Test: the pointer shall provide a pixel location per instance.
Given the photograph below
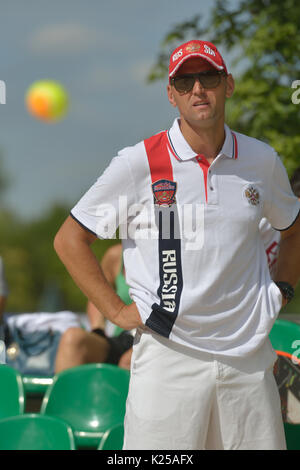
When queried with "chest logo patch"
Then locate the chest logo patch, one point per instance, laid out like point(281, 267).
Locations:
point(164, 192)
point(252, 195)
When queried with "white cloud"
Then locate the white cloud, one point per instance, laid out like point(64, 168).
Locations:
point(62, 39)
point(72, 38)
point(117, 75)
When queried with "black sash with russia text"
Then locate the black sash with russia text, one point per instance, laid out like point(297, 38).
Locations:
point(163, 316)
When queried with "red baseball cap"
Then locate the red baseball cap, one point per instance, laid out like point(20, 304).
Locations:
point(196, 48)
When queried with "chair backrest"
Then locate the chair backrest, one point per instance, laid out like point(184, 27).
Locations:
point(91, 397)
point(113, 438)
point(36, 386)
point(35, 432)
point(292, 435)
point(284, 336)
point(12, 397)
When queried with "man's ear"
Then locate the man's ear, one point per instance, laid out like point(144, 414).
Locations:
point(229, 86)
point(171, 95)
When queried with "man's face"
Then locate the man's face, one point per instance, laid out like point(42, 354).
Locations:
point(201, 107)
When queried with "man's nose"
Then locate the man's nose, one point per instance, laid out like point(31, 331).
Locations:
point(198, 87)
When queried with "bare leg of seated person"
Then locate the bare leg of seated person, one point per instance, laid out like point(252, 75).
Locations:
point(125, 359)
point(78, 346)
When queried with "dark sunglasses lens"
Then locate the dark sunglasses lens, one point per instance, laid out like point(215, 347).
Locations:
point(210, 80)
point(184, 84)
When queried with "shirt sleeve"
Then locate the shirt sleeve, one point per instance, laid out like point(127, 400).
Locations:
point(281, 205)
point(3, 283)
point(104, 207)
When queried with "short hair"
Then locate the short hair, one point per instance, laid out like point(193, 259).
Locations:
point(295, 182)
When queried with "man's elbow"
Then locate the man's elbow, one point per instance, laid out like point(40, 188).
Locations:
point(59, 242)
point(293, 231)
point(71, 237)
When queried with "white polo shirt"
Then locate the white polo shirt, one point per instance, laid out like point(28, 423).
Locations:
point(194, 257)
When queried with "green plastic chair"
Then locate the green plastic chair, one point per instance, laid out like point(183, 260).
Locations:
point(12, 397)
point(36, 386)
point(91, 398)
point(283, 334)
point(113, 438)
point(35, 432)
point(292, 435)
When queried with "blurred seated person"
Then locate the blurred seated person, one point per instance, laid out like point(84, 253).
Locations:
point(78, 346)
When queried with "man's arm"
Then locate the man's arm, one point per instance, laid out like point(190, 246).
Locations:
point(73, 246)
point(288, 264)
point(110, 265)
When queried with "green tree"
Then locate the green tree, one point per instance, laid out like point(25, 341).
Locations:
point(263, 39)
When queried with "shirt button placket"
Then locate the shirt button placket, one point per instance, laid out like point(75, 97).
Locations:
point(212, 193)
point(209, 181)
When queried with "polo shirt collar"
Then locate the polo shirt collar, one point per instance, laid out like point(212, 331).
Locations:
point(182, 150)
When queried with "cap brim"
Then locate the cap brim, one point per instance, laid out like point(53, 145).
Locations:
point(196, 54)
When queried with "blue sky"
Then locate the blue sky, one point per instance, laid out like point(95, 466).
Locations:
point(101, 51)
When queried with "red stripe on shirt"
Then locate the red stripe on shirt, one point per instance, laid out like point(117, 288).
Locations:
point(204, 165)
point(159, 157)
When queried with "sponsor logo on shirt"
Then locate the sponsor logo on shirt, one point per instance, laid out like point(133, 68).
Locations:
point(164, 192)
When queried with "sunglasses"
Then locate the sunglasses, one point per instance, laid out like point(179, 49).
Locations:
point(209, 79)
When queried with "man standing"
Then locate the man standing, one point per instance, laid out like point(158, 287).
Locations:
point(188, 203)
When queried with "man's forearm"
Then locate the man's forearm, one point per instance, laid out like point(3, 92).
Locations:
point(84, 268)
point(74, 250)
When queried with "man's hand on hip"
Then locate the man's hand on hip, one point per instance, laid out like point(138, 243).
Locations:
point(128, 317)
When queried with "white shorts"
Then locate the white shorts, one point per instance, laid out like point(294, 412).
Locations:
point(183, 399)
